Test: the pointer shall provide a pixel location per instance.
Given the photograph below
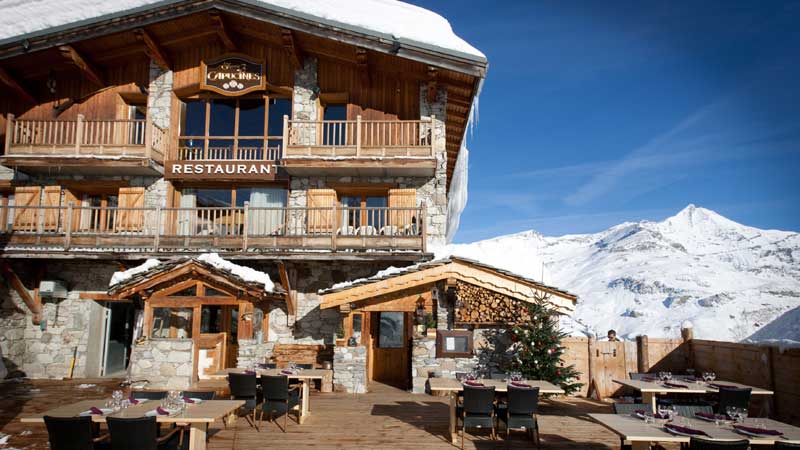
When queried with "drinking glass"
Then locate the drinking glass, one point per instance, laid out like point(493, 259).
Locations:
point(712, 376)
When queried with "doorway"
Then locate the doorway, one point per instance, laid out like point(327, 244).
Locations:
point(390, 348)
point(118, 322)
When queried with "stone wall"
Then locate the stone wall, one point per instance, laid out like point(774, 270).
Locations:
point(165, 363)
point(252, 352)
point(435, 189)
point(350, 369)
point(159, 98)
point(305, 100)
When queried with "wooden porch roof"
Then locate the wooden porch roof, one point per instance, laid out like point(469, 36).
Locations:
point(449, 269)
point(169, 273)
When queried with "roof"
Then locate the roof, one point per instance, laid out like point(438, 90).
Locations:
point(426, 272)
point(389, 20)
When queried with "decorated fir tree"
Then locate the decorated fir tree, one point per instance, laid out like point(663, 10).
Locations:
point(537, 348)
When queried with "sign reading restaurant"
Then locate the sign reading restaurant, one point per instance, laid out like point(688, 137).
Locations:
point(210, 170)
point(233, 75)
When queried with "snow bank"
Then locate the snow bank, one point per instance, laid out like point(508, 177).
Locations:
point(119, 277)
point(391, 18)
point(246, 273)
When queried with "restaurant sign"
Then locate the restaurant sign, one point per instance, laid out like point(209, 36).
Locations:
point(213, 170)
point(233, 75)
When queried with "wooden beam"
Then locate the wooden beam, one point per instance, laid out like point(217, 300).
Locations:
point(433, 84)
point(9, 81)
point(34, 303)
point(222, 31)
point(362, 61)
point(89, 71)
point(292, 48)
point(291, 298)
point(153, 50)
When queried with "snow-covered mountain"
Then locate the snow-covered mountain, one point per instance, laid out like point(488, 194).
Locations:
point(733, 282)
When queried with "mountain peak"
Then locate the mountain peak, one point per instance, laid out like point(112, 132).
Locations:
point(693, 216)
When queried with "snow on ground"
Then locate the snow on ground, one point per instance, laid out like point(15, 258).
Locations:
point(728, 279)
point(394, 19)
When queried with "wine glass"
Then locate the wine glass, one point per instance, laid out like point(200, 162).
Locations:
point(712, 376)
point(668, 376)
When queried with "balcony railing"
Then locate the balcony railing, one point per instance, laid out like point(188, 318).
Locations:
point(358, 138)
point(82, 137)
point(233, 229)
point(228, 148)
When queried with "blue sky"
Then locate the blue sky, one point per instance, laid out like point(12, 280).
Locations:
point(594, 113)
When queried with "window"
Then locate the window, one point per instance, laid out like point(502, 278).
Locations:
point(363, 213)
point(216, 216)
point(173, 323)
point(391, 329)
point(209, 128)
point(333, 132)
point(454, 344)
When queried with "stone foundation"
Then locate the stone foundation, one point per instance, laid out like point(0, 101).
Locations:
point(350, 369)
point(165, 363)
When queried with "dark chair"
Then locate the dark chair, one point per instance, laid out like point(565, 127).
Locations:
point(279, 398)
point(202, 395)
point(733, 397)
point(71, 433)
point(140, 433)
point(267, 366)
point(149, 395)
point(690, 410)
point(243, 386)
point(707, 444)
point(779, 445)
point(478, 410)
point(627, 409)
point(305, 366)
point(520, 412)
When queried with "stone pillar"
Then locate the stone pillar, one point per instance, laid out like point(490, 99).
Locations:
point(350, 369)
point(159, 98)
point(305, 102)
point(436, 188)
point(165, 363)
point(251, 352)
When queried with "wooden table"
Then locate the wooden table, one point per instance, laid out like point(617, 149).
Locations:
point(641, 434)
point(305, 377)
point(650, 389)
point(453, 387)
point(197, 416)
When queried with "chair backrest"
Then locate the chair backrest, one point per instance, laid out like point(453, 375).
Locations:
point(149, 395)
point(691, 410)
point(707, 444)
point(69, 433)
point(636, 375)
point(140, 433)
point(242, 385)
point(523, 400)
point(779, 445)
point(267, 366)
point(478, 400)
point(202, 395)
point(275, 387)
point(735, 397)
point(630, 408)
point(305, 366)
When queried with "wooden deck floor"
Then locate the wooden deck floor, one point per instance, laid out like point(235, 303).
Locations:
point(384, 418)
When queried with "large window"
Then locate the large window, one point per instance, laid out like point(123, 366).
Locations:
point(363, 213)
point(172, 323)
point(213, 211)
point(391, 329)
point(233, 129)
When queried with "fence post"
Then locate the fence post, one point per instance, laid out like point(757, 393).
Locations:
point(148, 139)
point(358, 135)
point(687, 334)
point(245, 219)
point(334, 227)
point(157, 232)
point(9, 132)
point(642, 357)
point(78, 134)
point(68, 231)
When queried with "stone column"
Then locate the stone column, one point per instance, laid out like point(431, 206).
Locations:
point(159, 98)
point(350, 369)
point(435, 190)
point(305, 101)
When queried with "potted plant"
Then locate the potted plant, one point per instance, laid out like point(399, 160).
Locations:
point(340, 341)
point(430, 325)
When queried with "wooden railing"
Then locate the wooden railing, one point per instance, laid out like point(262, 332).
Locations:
point(358, 138)
point(82, 137)
point(247, 228)
point(201, 149)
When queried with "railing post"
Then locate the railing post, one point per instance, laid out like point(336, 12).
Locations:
point(433, 133)
point(424, 227)
point(9, 132)
point(148, 138)
point(68, 224)
point(334, 227)
point(285, 133)
point(358, 135)
point(157, 231)
point(245, 219)
point(78, 134)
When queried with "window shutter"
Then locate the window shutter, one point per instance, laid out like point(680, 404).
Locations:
point(128, 219)
point(26, 212)
point(75, 224)
point(405, 218)
point(51, 199)
point(320, 220)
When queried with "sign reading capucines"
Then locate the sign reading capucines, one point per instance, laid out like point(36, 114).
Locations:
point(209, 170)
point(233, 75)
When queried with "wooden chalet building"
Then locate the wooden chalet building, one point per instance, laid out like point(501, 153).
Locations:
point(302, 145)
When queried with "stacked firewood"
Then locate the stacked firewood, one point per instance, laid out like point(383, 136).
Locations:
point(482, 306)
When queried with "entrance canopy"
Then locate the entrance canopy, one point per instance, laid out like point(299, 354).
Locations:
point(387, 286)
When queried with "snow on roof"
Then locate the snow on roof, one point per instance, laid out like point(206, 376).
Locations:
point(121, 277)
point(390, 19)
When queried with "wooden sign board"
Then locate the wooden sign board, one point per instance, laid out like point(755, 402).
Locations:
point(232, 75)
point(222, 170)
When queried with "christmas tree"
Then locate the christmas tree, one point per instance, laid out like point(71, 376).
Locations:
point(537, 348)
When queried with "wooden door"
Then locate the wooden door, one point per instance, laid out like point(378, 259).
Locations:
point(230, 326)
point(612, 360)
point(390, 349)
point(130, 216)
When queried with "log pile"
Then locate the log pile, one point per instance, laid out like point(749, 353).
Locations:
point(481, 306)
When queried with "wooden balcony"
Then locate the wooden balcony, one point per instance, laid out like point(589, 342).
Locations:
point(359, 147)
point(225, 158)
point(132, 147)
point(248, 230)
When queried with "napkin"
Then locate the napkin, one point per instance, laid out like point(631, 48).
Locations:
point(473, 383)
point(287, 372)
point(188, 400)
point(758, 430)
point(520, 385)
point(642, 412)
point(95, 411)
point(133, 401)
point(684, 430)
point(161, 411)
point(722, 386)
point(676, 385)
point(711, 416)
point(690, 379)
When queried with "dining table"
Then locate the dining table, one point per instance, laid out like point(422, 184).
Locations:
point(197, 415)
point(304, 376)
point(453, 387)
point(650, 388)
point(641, 434)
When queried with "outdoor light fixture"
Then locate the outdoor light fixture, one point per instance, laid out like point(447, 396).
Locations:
point(419, 313)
